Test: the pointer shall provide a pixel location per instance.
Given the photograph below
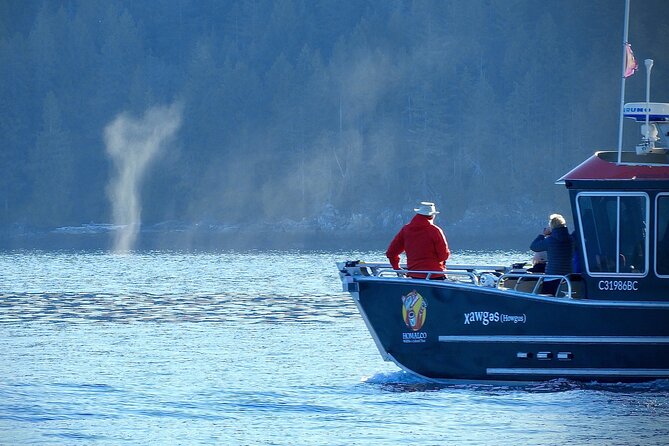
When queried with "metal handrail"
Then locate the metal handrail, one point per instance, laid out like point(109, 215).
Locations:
point(468, 275)
point(384, 272)
point(540, 279)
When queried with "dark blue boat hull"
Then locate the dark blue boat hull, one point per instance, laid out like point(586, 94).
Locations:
point(461, 332)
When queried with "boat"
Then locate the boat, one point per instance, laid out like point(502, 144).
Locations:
point(607, 323)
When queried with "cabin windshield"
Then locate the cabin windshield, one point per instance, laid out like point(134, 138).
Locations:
point(662, 236)
point(613, 228)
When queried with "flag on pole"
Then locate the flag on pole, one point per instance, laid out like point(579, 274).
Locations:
point(630, 62)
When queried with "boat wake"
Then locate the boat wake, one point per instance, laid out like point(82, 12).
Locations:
point(401, 381)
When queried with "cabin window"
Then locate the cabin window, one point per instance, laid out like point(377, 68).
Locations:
point(662, 236)
point(613, 228)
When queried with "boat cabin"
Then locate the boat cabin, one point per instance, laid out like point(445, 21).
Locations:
point(620, 204)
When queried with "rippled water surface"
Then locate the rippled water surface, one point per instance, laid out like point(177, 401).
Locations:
point(251, 348)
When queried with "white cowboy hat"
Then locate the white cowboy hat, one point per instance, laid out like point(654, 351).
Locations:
point(426, 208)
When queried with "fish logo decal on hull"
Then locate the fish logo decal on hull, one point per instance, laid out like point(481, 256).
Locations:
point(414, 310)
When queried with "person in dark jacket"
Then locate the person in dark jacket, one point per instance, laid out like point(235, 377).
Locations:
point(557, 242)
point(423, 242)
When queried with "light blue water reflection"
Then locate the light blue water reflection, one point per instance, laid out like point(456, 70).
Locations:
point(254, 348)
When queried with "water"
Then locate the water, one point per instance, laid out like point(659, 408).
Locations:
point(250, 348)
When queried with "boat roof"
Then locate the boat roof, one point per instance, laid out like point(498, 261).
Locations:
point(604, 165)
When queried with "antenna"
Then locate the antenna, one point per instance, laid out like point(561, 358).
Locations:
point(649, 66)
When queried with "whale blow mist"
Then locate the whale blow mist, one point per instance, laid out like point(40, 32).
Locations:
point(132, 144)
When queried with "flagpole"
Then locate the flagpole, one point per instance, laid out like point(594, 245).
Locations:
point(622, 87)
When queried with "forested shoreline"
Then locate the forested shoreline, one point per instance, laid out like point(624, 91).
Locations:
point(322, 116)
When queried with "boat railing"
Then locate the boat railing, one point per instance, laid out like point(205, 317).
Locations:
point(492, 276)
point(471, 274)
point(452, 274)
point(533, 283)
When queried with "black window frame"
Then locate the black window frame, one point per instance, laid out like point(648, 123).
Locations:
point(585, 261)
point(664, 196)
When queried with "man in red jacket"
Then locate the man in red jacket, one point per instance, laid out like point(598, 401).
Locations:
point(424, 243)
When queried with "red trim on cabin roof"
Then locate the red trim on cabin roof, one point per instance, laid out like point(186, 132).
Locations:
point(596, 168)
